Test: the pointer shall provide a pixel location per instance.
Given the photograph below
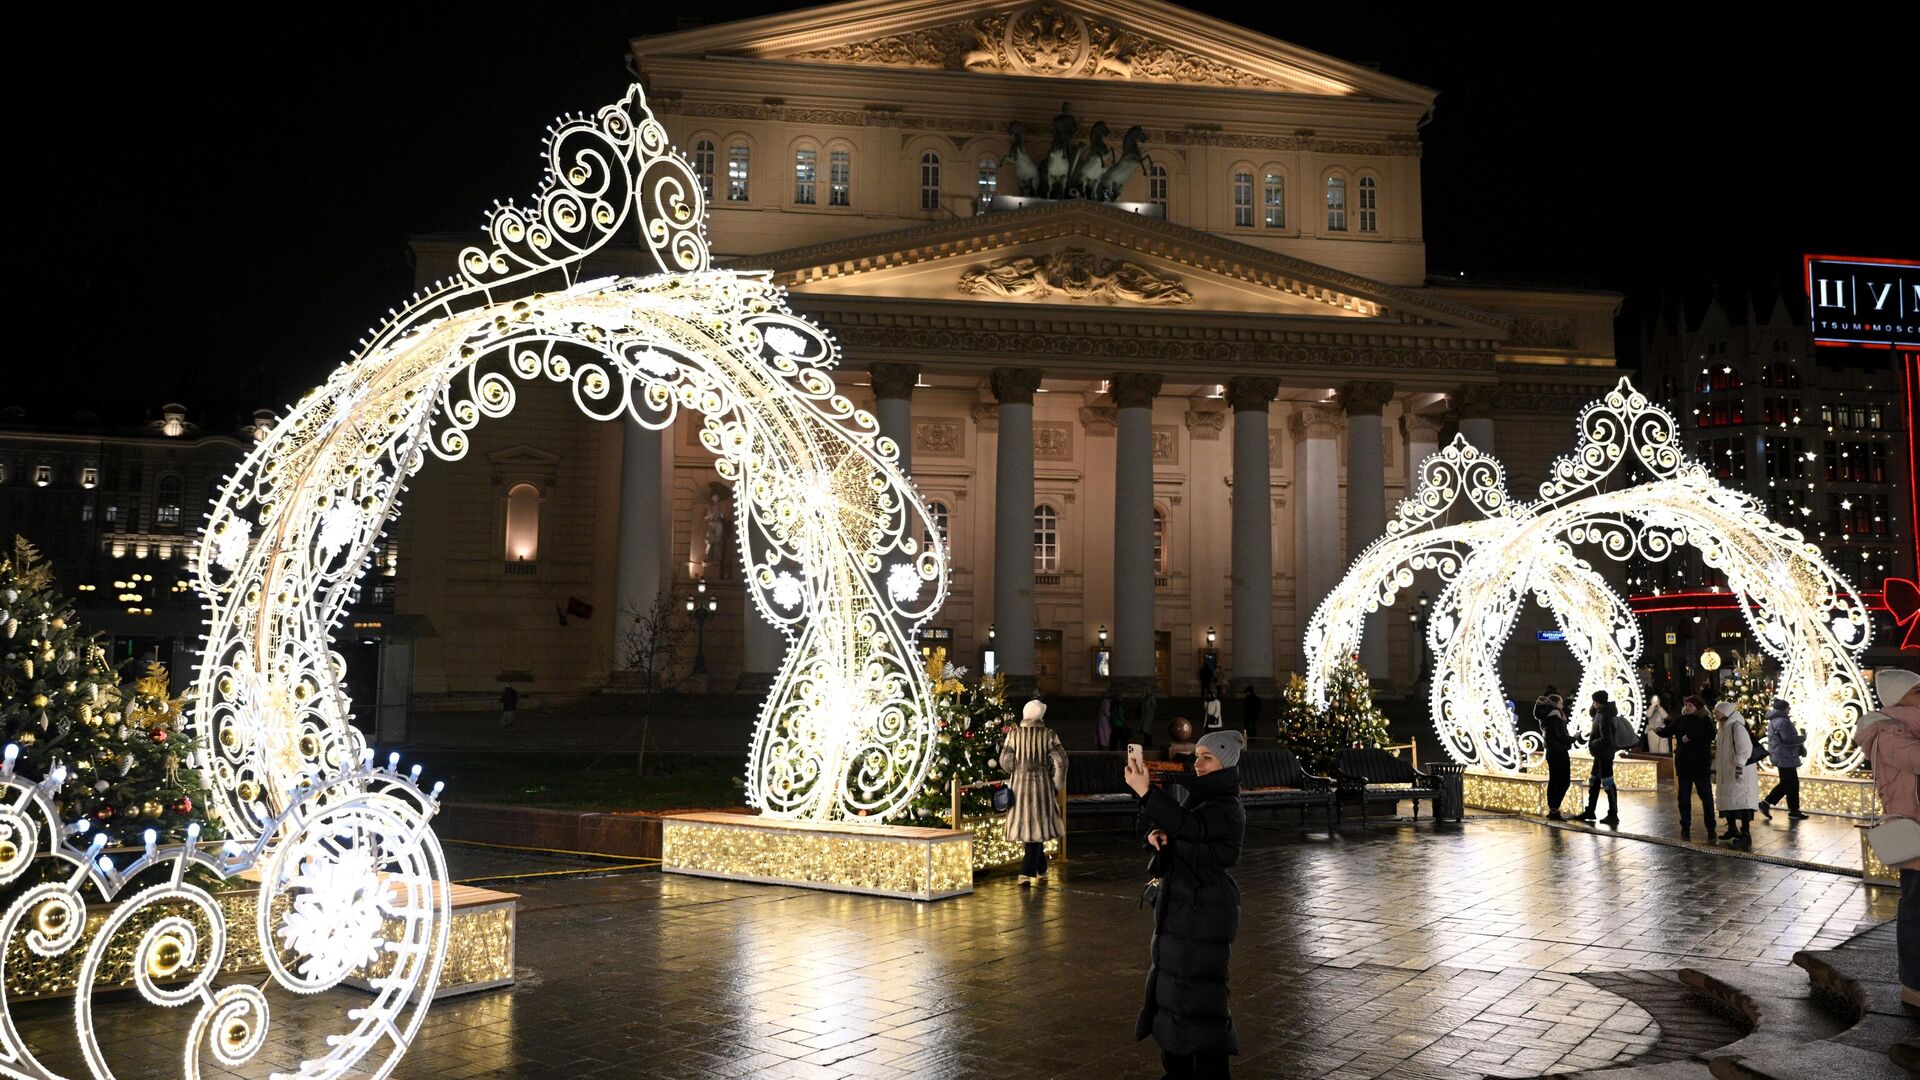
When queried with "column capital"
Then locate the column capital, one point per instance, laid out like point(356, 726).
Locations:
point(1420, 427)
point(1015, 385)
point(1099, 419)
point(1251, 393)
point(1316, 422)
point(1134, 389)
point(1206, 423)
point(1365, 397)
point(1475, 401)
point(894, 380)
point(986, 415)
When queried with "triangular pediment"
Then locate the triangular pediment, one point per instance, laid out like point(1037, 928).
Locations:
point(1089, 255)
point(1140, 41)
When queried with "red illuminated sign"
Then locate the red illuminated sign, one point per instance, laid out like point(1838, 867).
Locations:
point(1868, 303)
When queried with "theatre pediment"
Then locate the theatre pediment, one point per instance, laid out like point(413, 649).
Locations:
point(1123, 40)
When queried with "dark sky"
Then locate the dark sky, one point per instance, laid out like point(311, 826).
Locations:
point(237, 196)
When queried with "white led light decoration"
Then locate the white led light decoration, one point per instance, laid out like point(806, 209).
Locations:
point(1803, 614)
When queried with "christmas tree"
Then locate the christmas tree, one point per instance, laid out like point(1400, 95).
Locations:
point(968, 724)
point(61, 704)
point(1349, 720)
point(1748, 687)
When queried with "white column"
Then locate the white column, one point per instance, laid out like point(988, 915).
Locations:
point(1250, 659)
point(1317, 547)
point(1013, 527)
point(763, 645)
point(1475, 404)
point(640, 570)
point(1133, 614)
point(1366, 496)
point(893, 406)
point(1422, 434)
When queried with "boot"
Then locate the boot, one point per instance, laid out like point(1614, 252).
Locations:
point(1746, 832)
point(1613, 809)
point(1733, 831)
point(1593, 802)
point(1766, 808)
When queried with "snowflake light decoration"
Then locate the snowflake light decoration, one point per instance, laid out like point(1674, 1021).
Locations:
point(1802, 612)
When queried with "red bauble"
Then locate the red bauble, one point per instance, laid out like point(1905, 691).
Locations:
point(183, 805)
point(103, 812)
point(158, 735)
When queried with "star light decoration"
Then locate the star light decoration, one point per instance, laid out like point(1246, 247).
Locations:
point(1803, 613)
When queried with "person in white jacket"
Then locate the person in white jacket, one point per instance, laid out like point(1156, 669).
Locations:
point(1736, 784)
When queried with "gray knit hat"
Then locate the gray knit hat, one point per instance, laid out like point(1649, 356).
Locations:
point(1226, 745)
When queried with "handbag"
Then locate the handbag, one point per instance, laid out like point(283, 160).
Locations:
point(1895, 840)
point(1002, 798)
point(1150, 893)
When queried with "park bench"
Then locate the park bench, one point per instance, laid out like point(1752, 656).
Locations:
point(1382, 776)
point(1097, 783)
point(1275, 778)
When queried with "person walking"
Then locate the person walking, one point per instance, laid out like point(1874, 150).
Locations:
point(1148, 706)
point(1197, 912)
point(1603, 744)
point(1103, 722)
point(509, 704)
point(1691, 734)
point(1212, 711)
point(1891, 739)
point(1209, 671)
point(1551, 714)
point(1657, 742)
point(1250, 707)
point(1036, 768)
point(1736, 783)
point(1786, 746)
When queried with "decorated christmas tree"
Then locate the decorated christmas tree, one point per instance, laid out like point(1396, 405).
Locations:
point(968, 727)
point(1350, 719)
point(1750, 690)
point(61, 704)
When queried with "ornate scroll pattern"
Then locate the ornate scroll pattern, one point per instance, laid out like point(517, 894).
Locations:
point(351, 853)
point(1803, 614)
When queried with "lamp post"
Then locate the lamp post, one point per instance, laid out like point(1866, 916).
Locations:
point(701, 607)
point(1211, 637)
point(1103, 635)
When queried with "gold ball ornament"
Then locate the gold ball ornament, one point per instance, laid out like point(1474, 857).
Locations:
point(50, 918)
point(309, 746)
point(151, 809)
point(236, 1033)
point(8, 852)
point(229, 737)
point(249, 791)
point(26, 738)
point(166, 957)
point(39, 701)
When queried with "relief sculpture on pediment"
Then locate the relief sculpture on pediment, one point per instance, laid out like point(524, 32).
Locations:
point(1074, 274)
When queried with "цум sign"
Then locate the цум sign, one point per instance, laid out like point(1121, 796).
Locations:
point(1867, 302)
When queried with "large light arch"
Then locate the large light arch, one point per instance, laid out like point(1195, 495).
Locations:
point(1803, 613)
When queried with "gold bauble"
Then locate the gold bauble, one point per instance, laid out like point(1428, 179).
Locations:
point(229, 737)
point(152, 809)
point(39, 701)
point(309, 746)
point(8, 852)
point(50, 918)
point(165, 958)
point(249, 791)
point(58, 624)
point(236, 1033)
point(25, 738)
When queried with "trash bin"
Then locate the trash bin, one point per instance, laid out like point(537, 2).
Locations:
point(1449, 802)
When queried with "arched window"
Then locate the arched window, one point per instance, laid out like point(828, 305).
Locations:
point(1157, 187)
point(703, 156)
point(1369, 205)
point(167, 495)
point(840, 178)
point(987, 184)
point(1046, 540)
point(806, 172)
point(1336, 204)
point(1274, 198)
point(523, 524)
point(1159, 541)
point(937, 510)
point(929, 181)
point(1243, 198)
point(739, 157)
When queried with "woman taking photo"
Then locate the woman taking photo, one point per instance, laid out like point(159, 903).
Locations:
point(1197, 911)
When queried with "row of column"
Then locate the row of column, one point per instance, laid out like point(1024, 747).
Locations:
point(1320, 559)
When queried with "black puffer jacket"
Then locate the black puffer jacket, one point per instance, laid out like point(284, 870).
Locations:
point(1196, 918)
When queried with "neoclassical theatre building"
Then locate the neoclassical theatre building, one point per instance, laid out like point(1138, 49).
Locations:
point(1157, 390)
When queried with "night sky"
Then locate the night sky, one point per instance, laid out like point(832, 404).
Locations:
point(217, 210)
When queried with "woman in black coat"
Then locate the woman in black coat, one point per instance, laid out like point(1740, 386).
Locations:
point(1197, 913)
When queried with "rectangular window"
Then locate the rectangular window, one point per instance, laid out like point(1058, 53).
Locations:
point(1274, 195)
point(738, 158)
point(839, 178)
point(86, 511)
point(1157, 187)
point(42, 475)
point(929, 181)
point(1336, 204)
point(1243, 199)
point(1369, 205)
point(168, 514)
point(986, 183)
point(805, 172)
point(703, 166)
point(113, 513)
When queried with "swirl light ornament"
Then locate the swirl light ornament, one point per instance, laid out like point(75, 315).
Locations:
point(1503, 553)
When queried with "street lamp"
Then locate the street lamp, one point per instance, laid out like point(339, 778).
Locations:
point(1211, 637)
point(1103, 633)
point(701, 607)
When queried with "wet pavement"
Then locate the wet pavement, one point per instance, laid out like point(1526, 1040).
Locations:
point(1406, 951)
point(1817, 840)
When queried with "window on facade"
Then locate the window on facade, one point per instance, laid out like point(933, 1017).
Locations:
point(1243, 198)
point(929, 181)
point(1046, 540)
point(1274, 198)
point(86, 511)
point(42, 475)
point(936, 510)
point(90, 477)
point(1157, 187)
point(739, 157)
point(986, 183)
point(113, 513)
point(167, 496)
point(703, 165)
point(839, 178)
point(1159, 541)
point(523, 523)
point(1336, 204)
point(1369, 205)
point(806, 170)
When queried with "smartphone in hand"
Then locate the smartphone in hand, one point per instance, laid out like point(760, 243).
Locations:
point(1136, 756)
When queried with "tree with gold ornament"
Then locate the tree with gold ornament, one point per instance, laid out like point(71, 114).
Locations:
point(128, 769)
point(968, 725)
point(1349, 720)
point(1750, 690)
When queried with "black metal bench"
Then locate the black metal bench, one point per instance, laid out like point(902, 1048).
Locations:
point(1382, 776)
point(1097, 783)
point(1275, 778)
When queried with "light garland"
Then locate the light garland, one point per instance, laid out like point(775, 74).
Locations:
point(1803, 613)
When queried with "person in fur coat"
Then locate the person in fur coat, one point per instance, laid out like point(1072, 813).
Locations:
point(1036, 767)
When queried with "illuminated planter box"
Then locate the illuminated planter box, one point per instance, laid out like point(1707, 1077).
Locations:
point(1841, 796)
point(1520, 794)
point(882, 860)
point(1629, 774)
point(479, 948)
point(991, 847)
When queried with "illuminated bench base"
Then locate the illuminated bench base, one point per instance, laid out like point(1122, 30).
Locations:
point(991, 847)
point(882, 860)
point(1841, 796)
point(1629, 774)
point(479, 944)
point(1521, 794)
